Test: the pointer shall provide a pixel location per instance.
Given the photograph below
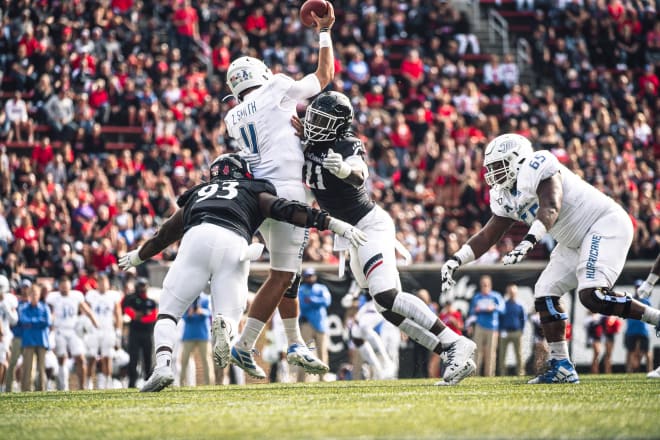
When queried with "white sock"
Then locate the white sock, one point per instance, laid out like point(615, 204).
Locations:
point(419, 334)
point(651, 315)
point(448, 337)
point(165, 335)
point(292, 330)
point(164, 359)
point(558, 350)
point(251, 332)
point(414, 308)
point(367, 353)
point(100, 381)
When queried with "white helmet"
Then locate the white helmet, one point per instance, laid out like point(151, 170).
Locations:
point(246, 72)
point(503, 158)
point(4, 284)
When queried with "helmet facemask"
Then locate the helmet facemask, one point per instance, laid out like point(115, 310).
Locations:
point(501, 174)
point(320, 126)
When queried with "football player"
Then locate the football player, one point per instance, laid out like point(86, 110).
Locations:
point(8, 318)
point(644, 291)
point(593, 233)
point(66, 304)
point(336, 172)
point(106, 305)
point(260, 124)
point(215, 221)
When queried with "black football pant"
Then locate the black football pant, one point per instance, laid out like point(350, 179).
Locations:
point(139, 342)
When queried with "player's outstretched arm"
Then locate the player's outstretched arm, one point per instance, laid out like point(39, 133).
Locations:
point(353, 172)
point(325, 71)
point(305, 216)
point(476, 246)
point(550, 193)
point(169, 232)
point(647, 286)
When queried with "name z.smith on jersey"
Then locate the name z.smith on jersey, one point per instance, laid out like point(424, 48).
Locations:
point(232, 204)
point(341, 199)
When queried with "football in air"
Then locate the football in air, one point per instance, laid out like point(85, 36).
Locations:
point(320, 8)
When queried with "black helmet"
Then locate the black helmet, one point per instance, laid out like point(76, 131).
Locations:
point(328, 116)
point(230, 166)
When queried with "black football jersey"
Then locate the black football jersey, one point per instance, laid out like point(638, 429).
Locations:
point(232, 204)
point(341, 199)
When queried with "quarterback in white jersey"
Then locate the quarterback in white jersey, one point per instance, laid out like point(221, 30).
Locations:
point(106, 305)
point(66, 304)
point(593, 233)
point(8, 317)
point(260, 124)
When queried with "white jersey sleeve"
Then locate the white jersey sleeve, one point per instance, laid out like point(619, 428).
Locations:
point(542, 165)
point(304, 88)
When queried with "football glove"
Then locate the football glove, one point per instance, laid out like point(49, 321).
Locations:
point(130, 259)
point(447, 274)
point(355, 236)
point(645, 289)
point(519, 252)
point(334, 162)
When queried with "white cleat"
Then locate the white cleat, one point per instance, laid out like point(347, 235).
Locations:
point(655, 374)
point(244, 360)
point(221, 336)
point(161, 378)
point(459, 363)
point(299, 354)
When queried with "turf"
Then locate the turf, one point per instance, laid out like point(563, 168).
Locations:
point(615, 406)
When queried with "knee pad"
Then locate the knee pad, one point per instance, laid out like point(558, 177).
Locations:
point(605, 301)
point(385, 300)
point(292, 291)
point(552, 306)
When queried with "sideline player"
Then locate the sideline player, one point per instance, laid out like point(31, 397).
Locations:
point(593, 232)
point(106, 305)
point(260, 123)
point(8, 318)
point(217, 220)
point(66, 304)
point(336, 172)
point(645, 291)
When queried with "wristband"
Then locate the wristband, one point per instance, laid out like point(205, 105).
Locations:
point(537, 230)
point(325, 40)
point(652, 279)
point(465, 254)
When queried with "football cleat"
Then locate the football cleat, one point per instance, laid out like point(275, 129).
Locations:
point(245, 361)
point(161, 378)
point(221, 337)
point(559, 371)
point(458, 361)
point(655, 374)
point(299, 354)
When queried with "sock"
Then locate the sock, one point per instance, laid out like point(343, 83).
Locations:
point(651, 315)
point(419, 334)
point(367, 353)
point(251, 332)
point(558, 350)
point(375, 341)
point(292, 330)
point(100, 381)
point(165, 335)
point(448, 337)
point(414, 308)
point(63, 376)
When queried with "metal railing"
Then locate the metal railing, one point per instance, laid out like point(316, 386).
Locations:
point(498, 26)
point(523, 51)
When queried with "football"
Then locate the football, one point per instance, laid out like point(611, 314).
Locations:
point(320, 8)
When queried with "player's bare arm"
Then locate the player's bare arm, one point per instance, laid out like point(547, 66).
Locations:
point(305, 216)
point(646, 288)
point(170, 232)
point(325, 71)
point(85, 309)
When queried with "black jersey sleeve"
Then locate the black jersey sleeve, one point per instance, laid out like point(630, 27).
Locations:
point(183, 198)
point(349, 146)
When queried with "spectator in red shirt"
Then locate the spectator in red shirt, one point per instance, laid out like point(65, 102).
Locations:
point(186, 22)
point(42, 155)
point(412, 69)
point(103, 259)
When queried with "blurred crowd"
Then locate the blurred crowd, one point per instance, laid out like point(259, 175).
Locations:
point(426, 102)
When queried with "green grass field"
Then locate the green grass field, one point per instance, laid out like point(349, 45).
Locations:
point(615, 406)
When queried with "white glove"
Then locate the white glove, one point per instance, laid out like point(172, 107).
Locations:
point(334, 162)
point(519, 252)
point(130, 259)
point(347, 300)
point(644, 291)
point(355, 236)
point(447, 274)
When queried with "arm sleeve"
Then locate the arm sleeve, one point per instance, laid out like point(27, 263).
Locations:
point(304, 88)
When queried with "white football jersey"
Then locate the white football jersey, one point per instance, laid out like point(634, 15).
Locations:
point(8, 313)
point(582, 204)
point(262, 126)
point(103, 305)
point(65, 308)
